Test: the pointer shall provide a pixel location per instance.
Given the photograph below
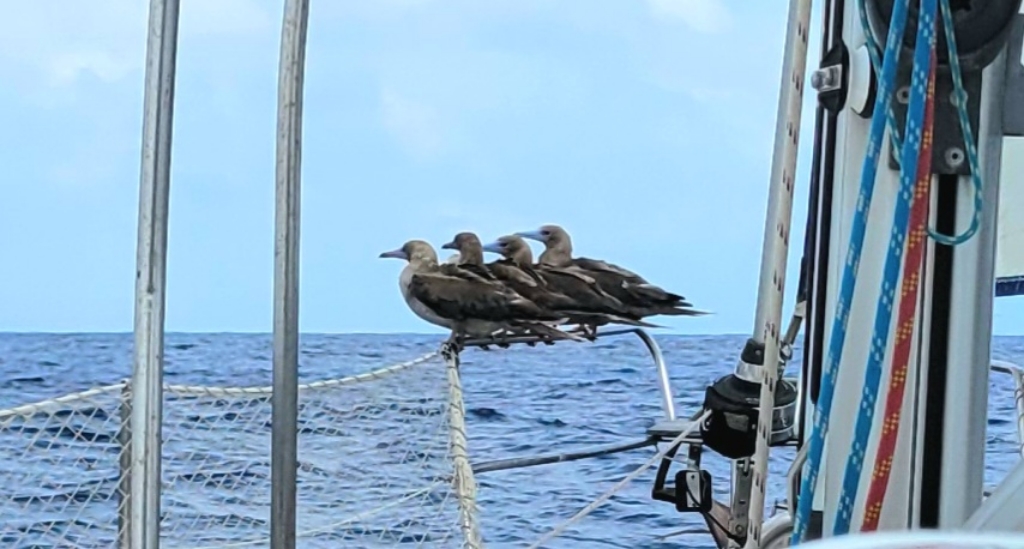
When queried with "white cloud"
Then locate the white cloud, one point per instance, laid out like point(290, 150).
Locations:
point(707, 16)
point(58, 41)
point(414, 125)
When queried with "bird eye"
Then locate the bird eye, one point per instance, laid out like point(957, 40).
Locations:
point(546, 233)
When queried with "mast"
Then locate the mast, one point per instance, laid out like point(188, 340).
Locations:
point(936, 478)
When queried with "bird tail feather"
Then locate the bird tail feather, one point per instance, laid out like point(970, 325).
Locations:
point(542, 329)
point(616, 319)
point(680, 311)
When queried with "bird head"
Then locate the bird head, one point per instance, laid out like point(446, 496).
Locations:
point(548, 234)
point(512, 247)
point(413, 251)
point(462, 242)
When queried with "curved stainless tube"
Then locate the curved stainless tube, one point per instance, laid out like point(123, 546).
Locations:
point(1017, 374)
point(667, 399)
point(664, 383)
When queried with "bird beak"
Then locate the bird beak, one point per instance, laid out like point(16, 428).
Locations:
point(450, 246)
point(493, 247)
point(532, 235)
point(394, 254)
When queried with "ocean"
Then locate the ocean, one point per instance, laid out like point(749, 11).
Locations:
point(363, 446)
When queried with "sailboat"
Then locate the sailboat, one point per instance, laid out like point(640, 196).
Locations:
point(914, 228)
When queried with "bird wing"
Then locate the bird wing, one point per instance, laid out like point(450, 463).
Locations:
point(582, 289)
point(571, 271)
point(599, 265)
point(466, 297)
point(512, 272)
point(468, 272)
point(614, 277)
point(532, 273)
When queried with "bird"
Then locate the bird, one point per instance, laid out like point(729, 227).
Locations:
point(469, 255)
point(529, 283)
point(641, 297)
point(469, 305)
point(592, 307)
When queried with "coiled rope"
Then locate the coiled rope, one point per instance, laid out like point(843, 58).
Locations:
point(819, 429)
point(906, 317)
point(910, 155)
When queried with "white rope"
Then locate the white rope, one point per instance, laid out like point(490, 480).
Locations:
point(325, 384)
point(59, 402)
point(776, 248)
point(623, 483)
point(463, 481)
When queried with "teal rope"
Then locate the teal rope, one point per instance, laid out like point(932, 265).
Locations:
point(970, 148)
point(965, 128)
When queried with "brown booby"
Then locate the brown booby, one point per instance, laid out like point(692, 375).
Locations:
point(635, 292)
point(522, 279)
point(467, 304)
point(589, 305)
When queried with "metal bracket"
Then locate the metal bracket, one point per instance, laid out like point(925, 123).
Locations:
point(832, 80)
point(827, 79)
point(742, 482)
point(948, 154)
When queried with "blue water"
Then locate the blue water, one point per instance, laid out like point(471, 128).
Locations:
point(365, 446)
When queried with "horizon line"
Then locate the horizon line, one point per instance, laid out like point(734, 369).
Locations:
point(355, 333)
point(248, 332)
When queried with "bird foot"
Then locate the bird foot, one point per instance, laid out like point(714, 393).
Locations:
point(499, 338)
point(452, 345)
point(502, 340)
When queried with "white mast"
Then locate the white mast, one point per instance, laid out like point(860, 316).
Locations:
point(937, 470)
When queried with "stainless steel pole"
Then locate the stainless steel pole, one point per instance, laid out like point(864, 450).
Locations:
point(284, 439)
point(150, 275)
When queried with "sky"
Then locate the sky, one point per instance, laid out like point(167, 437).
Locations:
point(645, 128)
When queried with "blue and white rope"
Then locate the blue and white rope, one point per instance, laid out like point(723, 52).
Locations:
point(909, 156)
point(883, 100)
point(965, 128)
